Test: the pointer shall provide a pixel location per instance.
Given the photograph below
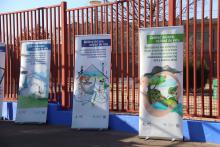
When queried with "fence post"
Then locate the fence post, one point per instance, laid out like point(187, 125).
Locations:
point(64, 54)
point(172, 13)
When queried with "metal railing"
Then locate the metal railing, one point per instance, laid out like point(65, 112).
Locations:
point(121, 19)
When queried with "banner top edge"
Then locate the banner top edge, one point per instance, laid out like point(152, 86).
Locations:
point(93, 35)
point(36, 40)
point(181, 26)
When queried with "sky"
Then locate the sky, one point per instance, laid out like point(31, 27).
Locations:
point(14, 5)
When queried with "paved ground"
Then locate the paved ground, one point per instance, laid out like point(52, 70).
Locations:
point(14, 135)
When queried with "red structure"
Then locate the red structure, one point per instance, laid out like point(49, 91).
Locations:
point(121, 19)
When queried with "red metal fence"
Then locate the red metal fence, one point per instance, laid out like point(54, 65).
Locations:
point(121, 19)
point(33, 24)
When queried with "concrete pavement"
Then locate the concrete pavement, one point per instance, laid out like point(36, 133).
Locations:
point(29, 135)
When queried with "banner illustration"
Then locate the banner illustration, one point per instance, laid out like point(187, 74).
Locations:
point(161, 87)
point(2, 73)
point(34, 81)
point(91, 84)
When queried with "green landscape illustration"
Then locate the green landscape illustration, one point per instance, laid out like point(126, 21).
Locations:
point(163, 89)
point(33, 92)
point(92, 85)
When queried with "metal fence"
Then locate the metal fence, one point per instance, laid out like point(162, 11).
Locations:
point(121, 19)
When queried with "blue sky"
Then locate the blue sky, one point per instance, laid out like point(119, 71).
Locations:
point(14, 5)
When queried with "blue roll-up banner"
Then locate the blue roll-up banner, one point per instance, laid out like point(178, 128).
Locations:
point(34, 81)
point(2, 73)
point(91, 83)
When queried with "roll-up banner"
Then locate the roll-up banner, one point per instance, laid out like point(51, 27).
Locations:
point(91, 83)
point(34, 81)
point(161, 82)
point(2, 73)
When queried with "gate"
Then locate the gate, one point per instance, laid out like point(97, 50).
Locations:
point(121, 19)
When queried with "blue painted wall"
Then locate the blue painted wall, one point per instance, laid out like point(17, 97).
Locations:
point(201, 131)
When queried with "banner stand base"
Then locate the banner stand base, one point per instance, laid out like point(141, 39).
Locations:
point(29, 123)
point(88, 129)
point(173, 139)
point(161, 138)
point(147, 137)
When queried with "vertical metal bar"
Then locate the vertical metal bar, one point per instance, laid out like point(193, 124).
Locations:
point(210, 58)
point(10, 56)
point(59, 65)
point(7, 52)
point(32, 26)
point(7, 58)
point(42, 17)
point(35, 21)
point(195, 57)
point(116, 60)
point(51, 60)
point(218, 59)
point(202, 58)
point(122, 54)
point(112, 84)
point(164, 12)
point(145, 13)
point(68, 57)
point(151, 17)
point(17, 64)
point(87, 20)
point(96, 20)
point(64, 53)
point(39, 29)
point(82, 21)
point(73, 54)
point(92, 20)
point(47, 17)
point(127, 57)
point(101, 26)
point(78, 22)
point(139, 12)
point(24, 20)
point(180, 17)
point(55, 58)
point(138, 52)
point(28, 25)
point(17, 56)
point(14, 72)
point(3, 28)
point(21, 37)
point(172, 12)
point(157, 14)
point(133, 55)
point(106, 21)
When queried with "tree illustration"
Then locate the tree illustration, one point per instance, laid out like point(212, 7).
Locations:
point(171, 101)
point(156, 80)
point(173, 91)
point(154, 94)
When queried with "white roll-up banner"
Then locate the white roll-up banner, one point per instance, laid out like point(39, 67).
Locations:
point(161, 82)
point(2, 73)
point(91, 83)
point(34, 81)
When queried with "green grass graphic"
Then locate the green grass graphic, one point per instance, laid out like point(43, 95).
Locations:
point(31, 102)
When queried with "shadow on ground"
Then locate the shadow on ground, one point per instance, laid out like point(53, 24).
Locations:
point(30, 135)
